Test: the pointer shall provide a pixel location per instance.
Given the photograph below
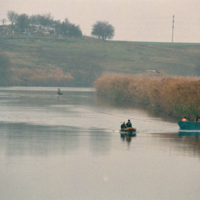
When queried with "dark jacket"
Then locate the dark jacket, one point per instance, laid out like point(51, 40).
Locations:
point(128, 124)
point(123, 126)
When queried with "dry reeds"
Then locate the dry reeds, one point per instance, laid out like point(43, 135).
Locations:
point(176, 96)
point(40, 77)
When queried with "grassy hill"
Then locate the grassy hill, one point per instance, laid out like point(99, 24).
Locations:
point(84, 60)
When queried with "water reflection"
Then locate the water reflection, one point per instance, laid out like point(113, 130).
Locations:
point(26, 139)
point(100, 141)
point(191, 142)
point(127, 138)
point(195, 135)
point(183, 143)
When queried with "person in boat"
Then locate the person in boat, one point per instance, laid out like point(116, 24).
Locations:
point(123, 126)
point(59, 90)
point(128, 124)
point(184, 119)
point(197, 119)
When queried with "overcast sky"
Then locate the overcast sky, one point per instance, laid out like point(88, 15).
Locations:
point(133, 20)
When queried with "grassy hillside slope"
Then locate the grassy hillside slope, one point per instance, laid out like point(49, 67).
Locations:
point(84, 60)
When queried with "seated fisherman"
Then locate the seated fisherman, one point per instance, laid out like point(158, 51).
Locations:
point(128, 124)
point(197, 119)
point(123, 126)
point(184, 119)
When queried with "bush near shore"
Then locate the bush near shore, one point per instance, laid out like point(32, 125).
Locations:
point(177, 96)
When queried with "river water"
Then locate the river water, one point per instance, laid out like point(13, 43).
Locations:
point(69, 147)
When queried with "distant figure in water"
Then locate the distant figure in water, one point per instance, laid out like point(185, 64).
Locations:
point(128, 124)
point(123, 126)
point(197, 119)
point(184, 119)
point(59, 92)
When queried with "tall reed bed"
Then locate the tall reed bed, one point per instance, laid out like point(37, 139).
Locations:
point(176, 96)
point(40, 77)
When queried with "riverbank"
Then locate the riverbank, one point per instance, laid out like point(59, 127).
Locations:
point(176, 96)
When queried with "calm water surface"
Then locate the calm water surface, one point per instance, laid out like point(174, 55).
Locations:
point(69, 147)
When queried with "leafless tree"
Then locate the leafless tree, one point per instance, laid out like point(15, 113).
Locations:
point(3, 21)
point(45, 20)
point(22, 22)
point(12, 16)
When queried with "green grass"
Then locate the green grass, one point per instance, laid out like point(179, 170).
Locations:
point(101, 56)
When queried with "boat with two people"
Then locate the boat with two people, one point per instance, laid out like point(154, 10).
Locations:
point(185, 124)
point(127, 129)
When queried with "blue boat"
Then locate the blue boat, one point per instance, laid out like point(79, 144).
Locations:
point(189, 125)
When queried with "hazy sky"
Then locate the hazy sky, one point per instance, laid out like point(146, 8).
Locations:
point(133, 20)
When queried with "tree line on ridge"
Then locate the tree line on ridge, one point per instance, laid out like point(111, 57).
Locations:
point(23, 23)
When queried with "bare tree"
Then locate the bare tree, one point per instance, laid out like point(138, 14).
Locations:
point(103, 30)
point(3, 21)
point(12, 16)
point(33, 19)
point(22, 22)
point(45, 20)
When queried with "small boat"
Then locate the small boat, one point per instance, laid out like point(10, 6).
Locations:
point(189, 125)
point(59, 93)
point(130, 131)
